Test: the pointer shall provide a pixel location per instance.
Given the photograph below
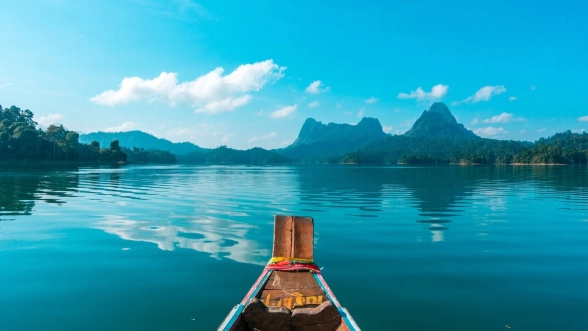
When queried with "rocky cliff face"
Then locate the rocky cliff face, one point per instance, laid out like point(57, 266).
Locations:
point(317, 141)
point(313, 132)
point(438, 122)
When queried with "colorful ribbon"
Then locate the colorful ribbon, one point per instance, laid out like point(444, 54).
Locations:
point(291, 264)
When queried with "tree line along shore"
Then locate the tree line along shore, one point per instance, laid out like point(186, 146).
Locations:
point(21, 140)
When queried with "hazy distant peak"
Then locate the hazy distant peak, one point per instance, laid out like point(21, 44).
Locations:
point(139, 139)
point(313, 131)
point(438, 122)
point(310, 121)
point(439, 107)
point(371, 123)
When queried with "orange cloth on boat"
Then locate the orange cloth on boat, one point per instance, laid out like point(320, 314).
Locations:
point(291, 264)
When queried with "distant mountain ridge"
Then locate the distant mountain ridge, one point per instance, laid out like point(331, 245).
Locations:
point(139, 139)
point(313, 131)
point(435, 138)
point(318, 141)
point(438, 122)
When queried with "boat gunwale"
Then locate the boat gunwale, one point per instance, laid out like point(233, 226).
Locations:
point(231, 321)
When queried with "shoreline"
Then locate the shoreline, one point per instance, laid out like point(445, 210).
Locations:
point(59, 163)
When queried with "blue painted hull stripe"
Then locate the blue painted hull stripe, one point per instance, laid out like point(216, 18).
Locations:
point(349, 321)
point(230, 320)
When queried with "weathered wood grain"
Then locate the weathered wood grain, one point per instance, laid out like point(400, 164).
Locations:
point(259, 317)
point(282, 236)
point(293, 237)
point(325, 317)
point(291, 299)
point(303, 238)
point(297, 280)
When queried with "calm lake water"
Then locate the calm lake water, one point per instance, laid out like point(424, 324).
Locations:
point(403, 248)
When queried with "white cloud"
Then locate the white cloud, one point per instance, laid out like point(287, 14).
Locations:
point(182, 132)
point(192, 133)
point(187, 6)
point(512, 98)
point(583, 119)
point(541, 130)
point(5, 85)
point(211, 93)
point(259, 113)
point(489, 131)
point(45, 121)
point(437, 92)
point(226, 138)
point(316, 87)
point(387, 129)
point(126, 126)
point(361, 112)
point(340, 104)
point(408, 123)
point(371, 100)
point(474, 121)
point(483, 94)
point(502, 118)
point(286, 142)
point(313, 104)
point(533, 87)
point(266, 137)
point(283, 112)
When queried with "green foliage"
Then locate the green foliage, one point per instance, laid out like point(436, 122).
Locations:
point(140, 155)
point(113, 154)
point(562, 148)
point(21, 140)
point(223, 154)
point(19, 137)
point(424, 150)
point(140, 139)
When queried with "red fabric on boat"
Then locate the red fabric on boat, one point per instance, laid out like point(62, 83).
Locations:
point(292, 266)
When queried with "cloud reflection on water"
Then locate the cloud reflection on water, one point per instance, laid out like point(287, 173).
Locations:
point(437, 234)
point(218, 237)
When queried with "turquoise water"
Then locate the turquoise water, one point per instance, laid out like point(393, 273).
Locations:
point(403, 248)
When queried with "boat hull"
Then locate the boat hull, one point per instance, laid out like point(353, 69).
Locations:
point(306, 294)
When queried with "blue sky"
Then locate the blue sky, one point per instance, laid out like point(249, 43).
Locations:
point(248, 73)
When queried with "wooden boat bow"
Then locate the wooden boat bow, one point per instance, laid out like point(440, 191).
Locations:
point(291, 293)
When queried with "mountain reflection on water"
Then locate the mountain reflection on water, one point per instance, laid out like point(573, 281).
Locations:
point(21, 188)
point(206, 208)
point(175, 247)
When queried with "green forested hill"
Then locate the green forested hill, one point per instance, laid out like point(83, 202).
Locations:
point(140, 139)
point(20, 139)
point(428, 150)
point(438, 122)
point(223, 154)
point(563, 148)
point(435, 138)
